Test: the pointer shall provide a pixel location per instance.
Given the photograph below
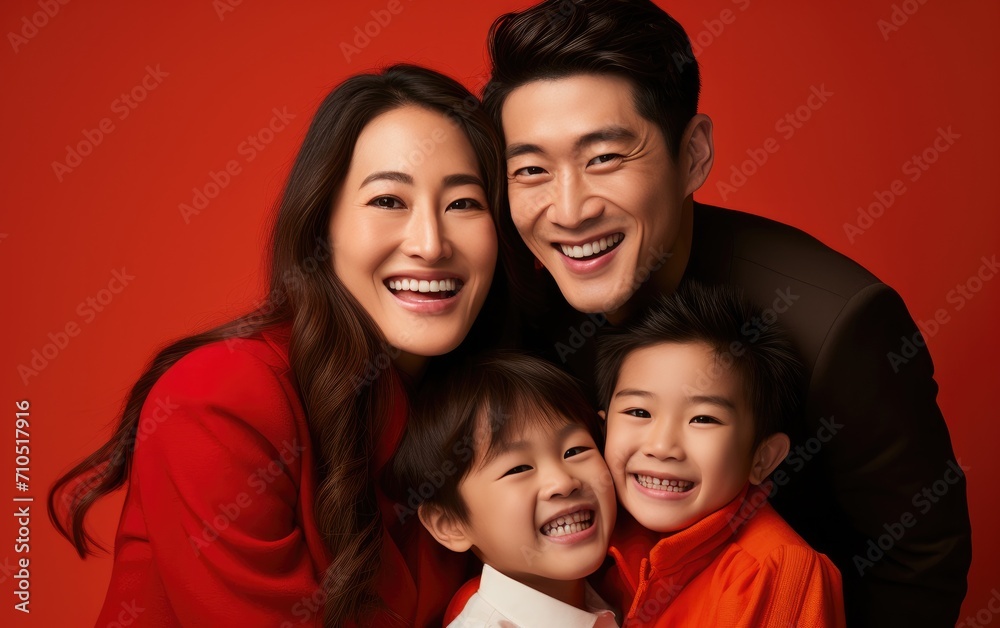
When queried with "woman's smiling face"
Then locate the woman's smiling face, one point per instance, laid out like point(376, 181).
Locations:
point(411, 232)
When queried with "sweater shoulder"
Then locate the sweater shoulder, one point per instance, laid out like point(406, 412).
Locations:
point(233, 384)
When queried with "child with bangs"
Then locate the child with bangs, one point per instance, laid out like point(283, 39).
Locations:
point(698, 403)
point(512, 446)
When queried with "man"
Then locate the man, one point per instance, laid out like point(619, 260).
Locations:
point(605, 148)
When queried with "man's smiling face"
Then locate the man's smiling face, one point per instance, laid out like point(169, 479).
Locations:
point(594, 191)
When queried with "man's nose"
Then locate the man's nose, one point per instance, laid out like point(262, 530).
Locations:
point(572, 203)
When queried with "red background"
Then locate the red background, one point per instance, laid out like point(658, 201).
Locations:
point(61, 241)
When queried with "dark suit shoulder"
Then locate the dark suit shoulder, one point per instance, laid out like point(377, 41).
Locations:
point(778, 248)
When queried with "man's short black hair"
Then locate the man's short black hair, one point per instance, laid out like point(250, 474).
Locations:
point(760, 354)
point(632, 39)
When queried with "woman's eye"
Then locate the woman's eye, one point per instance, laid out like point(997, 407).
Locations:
point(575, 451)
point(528, 170)
point(466, 203)
point(386, 202)
point(638, 412)
point(603, 159)
point(705, 419)
point(521, 468)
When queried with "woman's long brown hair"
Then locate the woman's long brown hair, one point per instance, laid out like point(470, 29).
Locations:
point(333, 340)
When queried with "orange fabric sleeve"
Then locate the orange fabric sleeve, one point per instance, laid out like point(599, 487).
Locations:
point(794, 586)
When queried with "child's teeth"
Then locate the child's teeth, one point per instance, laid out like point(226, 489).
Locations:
point(568, 524)
point(673, 486)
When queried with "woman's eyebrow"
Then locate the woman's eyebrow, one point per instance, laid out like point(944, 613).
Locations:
point(450, 181)
point(387, 175)
point(457, 180)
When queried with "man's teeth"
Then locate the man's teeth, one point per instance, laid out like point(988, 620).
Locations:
point(421, 285)
point(591, 248)
point(675, 486)
point(568, 524)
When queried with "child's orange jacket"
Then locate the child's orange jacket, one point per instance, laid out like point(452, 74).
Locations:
point(740, 566)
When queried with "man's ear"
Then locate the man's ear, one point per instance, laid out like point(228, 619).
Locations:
point(769, 455)
point(444, 527)
point(697, 153)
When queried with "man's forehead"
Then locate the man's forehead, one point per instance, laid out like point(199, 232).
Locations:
point(583, 101)
point(570, 114)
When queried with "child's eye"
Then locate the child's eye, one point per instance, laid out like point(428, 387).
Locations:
point(575, 451)
point(705, 419)
point(638, 412)
point(521, 468)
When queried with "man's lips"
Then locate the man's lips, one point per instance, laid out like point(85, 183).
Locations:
point(591, 249)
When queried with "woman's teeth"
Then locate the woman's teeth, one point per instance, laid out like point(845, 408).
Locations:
point(593, 248)
point(568, 524)
point(422, 285)
point(674, 486)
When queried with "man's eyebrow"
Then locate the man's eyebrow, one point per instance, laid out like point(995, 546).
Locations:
point(607, 134)
point(387, 175)
point(516, 150)
point(633, 392)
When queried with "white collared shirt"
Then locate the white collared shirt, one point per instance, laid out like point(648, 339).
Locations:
point(503, 602)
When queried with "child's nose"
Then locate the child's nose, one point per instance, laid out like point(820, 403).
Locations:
point(664, 441)
point(559, 482)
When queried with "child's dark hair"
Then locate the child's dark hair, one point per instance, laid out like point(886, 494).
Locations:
point(463, 414)
point(721, 317)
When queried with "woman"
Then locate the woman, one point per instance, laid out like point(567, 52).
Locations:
point(253, 452)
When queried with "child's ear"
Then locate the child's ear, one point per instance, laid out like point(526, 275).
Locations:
point(603, 415)
point(769, 455)
point(444, 527)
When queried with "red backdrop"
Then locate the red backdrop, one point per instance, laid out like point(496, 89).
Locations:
point(115, 112)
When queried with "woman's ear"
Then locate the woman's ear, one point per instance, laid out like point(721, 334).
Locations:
point(769, 455)
point(444, 527)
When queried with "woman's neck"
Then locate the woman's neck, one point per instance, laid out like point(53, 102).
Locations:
point(411, 365)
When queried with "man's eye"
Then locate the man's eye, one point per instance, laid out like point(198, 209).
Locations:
point(387, 202)
point(705, 419)
point(575, 451)
point(466, 203)
point(529, 170)
point(521, 468)
point(603, 159)
point(638, 412)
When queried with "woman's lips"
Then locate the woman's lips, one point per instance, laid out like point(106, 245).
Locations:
point(425, 296)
